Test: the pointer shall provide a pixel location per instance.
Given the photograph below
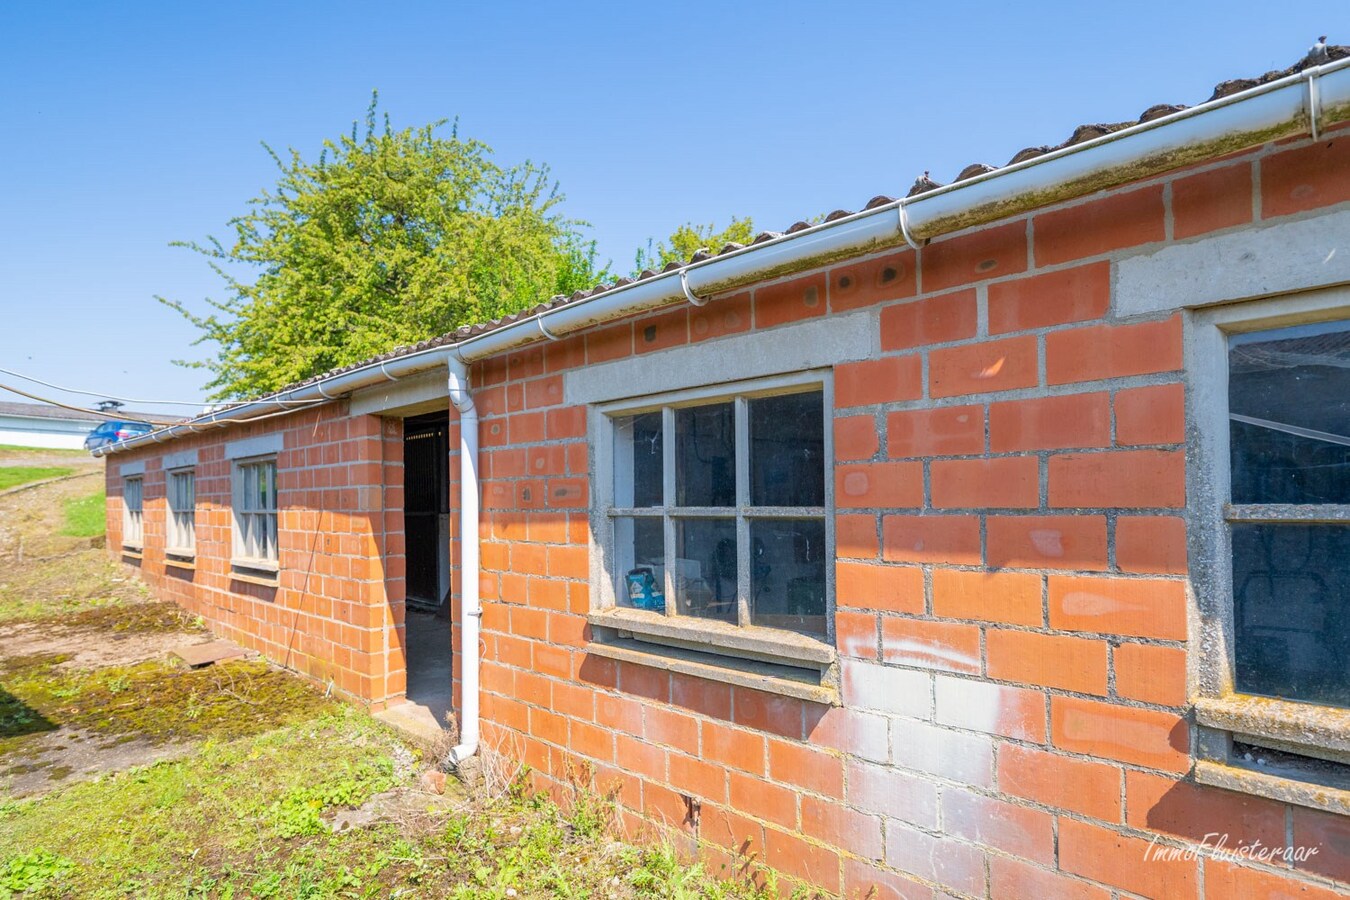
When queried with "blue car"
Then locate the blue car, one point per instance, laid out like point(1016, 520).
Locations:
point(114, 431)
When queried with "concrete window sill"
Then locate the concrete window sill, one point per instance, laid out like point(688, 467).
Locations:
point(763, 659)
point(180, 562)
point(1324, 727)
point(131, 551)
point(250, 575)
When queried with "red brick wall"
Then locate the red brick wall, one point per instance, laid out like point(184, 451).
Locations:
point(1011, 581)
point(337, 610)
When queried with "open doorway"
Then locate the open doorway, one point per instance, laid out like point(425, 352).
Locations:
point(426, 528)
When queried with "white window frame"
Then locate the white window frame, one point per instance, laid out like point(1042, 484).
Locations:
point(133, 515)
point(1222, 714)
point(180, 522)
point(241, 558)
point(740, 638)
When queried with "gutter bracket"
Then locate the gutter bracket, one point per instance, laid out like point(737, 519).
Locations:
point(688, 294)
point(1315, 101)
point(385, 373)
point(323, 393)
point(543, 329)
point(904, 224)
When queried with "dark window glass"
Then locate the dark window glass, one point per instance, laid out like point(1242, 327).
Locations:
point(705, 455)
point(638, 461)
point(1289, 402)
point(641, 547)
point(787, 450)
point(787, 574)
point(1291, 603)
point(705, 570)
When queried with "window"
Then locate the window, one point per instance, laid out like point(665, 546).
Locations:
point(133, 523)
point(182, 491)
point(255, 514)
point(1289, 442)
point(717, 508)
point(1269, 476)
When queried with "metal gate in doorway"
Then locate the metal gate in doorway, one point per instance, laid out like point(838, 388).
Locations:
point(426, 509)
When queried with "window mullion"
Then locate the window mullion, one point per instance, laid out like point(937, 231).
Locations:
point(742, 501)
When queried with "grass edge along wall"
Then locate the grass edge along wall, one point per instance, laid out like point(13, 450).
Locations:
point(1015, 617)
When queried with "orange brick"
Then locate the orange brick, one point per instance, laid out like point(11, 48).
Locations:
point(734, 747)
point(936, 320)
point(527, 428)
point(1151, 415)
point(1019, 830)
point(986, 252)
point(1055, 298)
point(567, 353)
point(614, 342)
point(1144, 737)
point(1046, 542)
point(1120, 861)
point(1002, 483)
point(890, 277)
point(940, 431)
point(1151, 545)
point(837, 825)
point(803, 767)
point(983, 367)
point(855, 633)
point(856, 536)
point(1061, 782)
point(1099, 226)
point(1141, 607)
point(1208, 201)
point(887, 588)
point(1191, 811)
point(1095, 352)
point(1331, 835)
point(1305, 178)
point(814, 864)
point(879, 485)
point(931, 645)
point(721, 317)
point(763, 800)
point(661, 332)
point(694, 776)
point(669, 729)
point(790, 301)
point(1223, 879)
point(886, 380)
point(1050, 423)
point(765, 712)
point(1151, 674)
point(1051, 660)
point(1011, 879)
point(932, 539)
point(543, 392)
point(1010, 597)
point(855, 437)
point(1129, 479)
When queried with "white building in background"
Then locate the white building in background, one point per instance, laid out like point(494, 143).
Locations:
point(41, 425)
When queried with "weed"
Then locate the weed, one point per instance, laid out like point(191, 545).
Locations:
point(32, 871)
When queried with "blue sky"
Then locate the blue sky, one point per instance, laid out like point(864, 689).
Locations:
point(132, 125)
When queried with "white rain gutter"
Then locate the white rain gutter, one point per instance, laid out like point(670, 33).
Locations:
point(1307, 102)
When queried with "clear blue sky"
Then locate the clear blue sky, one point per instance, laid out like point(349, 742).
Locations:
point(129, 125)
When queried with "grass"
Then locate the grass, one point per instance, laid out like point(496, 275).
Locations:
point(13, 476)
point(85, 515)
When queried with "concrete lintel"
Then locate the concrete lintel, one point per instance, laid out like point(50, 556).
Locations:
point(426, 392)
point(262, 445)
point(129, 469)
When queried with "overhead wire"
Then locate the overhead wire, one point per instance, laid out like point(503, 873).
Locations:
point(106, 396)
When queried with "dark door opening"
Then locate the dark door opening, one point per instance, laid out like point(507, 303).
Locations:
point(426, 510)
point(426, 530)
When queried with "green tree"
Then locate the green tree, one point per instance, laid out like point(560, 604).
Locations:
point(688, 239)
point(391, 237)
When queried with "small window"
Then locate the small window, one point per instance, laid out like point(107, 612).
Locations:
point(255, 514)
point(1289, 444)
point(718, 509)
point(182, 491)
point(133, 523)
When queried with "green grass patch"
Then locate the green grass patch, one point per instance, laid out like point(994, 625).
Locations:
point(13, 476)
point(17, 449)
point(85, 516)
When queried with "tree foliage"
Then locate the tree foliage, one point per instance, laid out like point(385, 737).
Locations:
point(688, 239)
point(389, 238)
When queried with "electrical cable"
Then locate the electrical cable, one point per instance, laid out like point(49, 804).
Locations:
point(198, 403)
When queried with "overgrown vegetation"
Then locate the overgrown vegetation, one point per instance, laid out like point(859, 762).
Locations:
point(13, 476)
point(85, 516)
point(688, 239)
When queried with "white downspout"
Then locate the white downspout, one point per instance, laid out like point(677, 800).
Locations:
point(470, 609)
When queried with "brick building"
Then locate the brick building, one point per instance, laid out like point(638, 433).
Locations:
point(987, 542)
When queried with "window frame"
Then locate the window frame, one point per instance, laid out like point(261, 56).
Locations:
point(239, 559)
point(741, 638)
point(133, 521)
point(1222, 714)
point(173, 529)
